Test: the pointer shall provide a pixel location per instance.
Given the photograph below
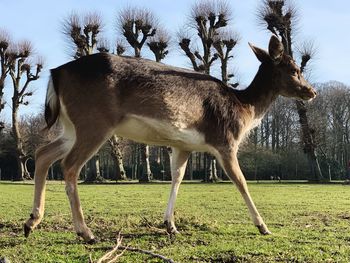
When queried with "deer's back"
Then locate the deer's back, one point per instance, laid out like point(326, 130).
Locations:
point(115, 88)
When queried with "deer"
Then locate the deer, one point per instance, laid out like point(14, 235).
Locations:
point(101, 95)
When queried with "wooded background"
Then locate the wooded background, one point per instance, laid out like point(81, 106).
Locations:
point(295, 140)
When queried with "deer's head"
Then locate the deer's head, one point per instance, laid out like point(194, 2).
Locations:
point(286, 75)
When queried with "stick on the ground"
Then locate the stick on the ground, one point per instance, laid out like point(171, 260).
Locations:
point(109, 255)
point(147, 252)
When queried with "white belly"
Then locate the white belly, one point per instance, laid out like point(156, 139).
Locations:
point(153, 131)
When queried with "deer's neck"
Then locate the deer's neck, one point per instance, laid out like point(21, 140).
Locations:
point(260, 94)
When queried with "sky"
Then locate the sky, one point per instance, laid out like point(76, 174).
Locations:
point(326, 23)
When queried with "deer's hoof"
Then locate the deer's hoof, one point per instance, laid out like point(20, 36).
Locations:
point(263, 229)
point(92, 241)
point(27, 230)
point(88, 238)
point(171, 228)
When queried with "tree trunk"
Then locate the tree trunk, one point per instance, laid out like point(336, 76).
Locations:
point(308, 142)
point(22, 172)
point(118, 158)
point(166, 153)
point(146, 168)
point(211, 174)
point(94, 172)
point(2, 86)
point(214, 175)
point(190, 167)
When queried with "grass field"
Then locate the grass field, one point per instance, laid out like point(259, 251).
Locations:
point(310, 223)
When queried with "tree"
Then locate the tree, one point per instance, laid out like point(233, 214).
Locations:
point(85, 37)
point(330, 113)
point(159, 44)
point(209, 18)
point(5, 61)
point(137, 26)
point(279, 18)
point(224, 43)
point(116, 154)
point(22, 74)
point(83, 33)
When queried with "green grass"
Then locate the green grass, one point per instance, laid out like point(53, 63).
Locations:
point(310, 223)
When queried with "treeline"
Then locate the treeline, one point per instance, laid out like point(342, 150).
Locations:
point(294, 141)
point(273, 149)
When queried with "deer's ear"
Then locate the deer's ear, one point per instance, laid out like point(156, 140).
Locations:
point(276, 49)
point(260, 54)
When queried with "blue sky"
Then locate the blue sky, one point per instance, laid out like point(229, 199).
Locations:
point(325, 22)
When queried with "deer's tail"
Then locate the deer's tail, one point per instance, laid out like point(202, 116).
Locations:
point(52, 104)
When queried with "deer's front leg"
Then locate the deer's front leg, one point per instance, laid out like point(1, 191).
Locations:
point(233, 171)
point(178, 167)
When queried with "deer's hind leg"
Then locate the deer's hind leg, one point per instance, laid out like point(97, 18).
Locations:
point(44, 158)
point(178, 167)
point(85, 146)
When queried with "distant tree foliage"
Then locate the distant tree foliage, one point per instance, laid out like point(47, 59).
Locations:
point(272, 150)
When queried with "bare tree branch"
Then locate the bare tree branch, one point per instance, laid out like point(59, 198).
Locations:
point(306, 51)
point(137, 25)
point(111, 256)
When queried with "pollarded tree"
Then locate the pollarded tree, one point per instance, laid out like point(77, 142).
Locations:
point(224, 43)
point(159, 44)
point(85, 36)
point(138, 25)
point(210, 19)
point(22, 73)
point(120, 47)
point(83, 33)
point(279, 17)
point(5, 61)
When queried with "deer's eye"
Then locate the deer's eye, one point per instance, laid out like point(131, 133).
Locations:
point(293, 72)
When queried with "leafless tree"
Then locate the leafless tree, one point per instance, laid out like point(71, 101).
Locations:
point(83, 33)
point(22, 73)
point(208, 19)
point(224, 43)
point(159, 44)
point(138, 25)
point(84, 36)
point(120, 47)
point(5, 61)
point(279, 17)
